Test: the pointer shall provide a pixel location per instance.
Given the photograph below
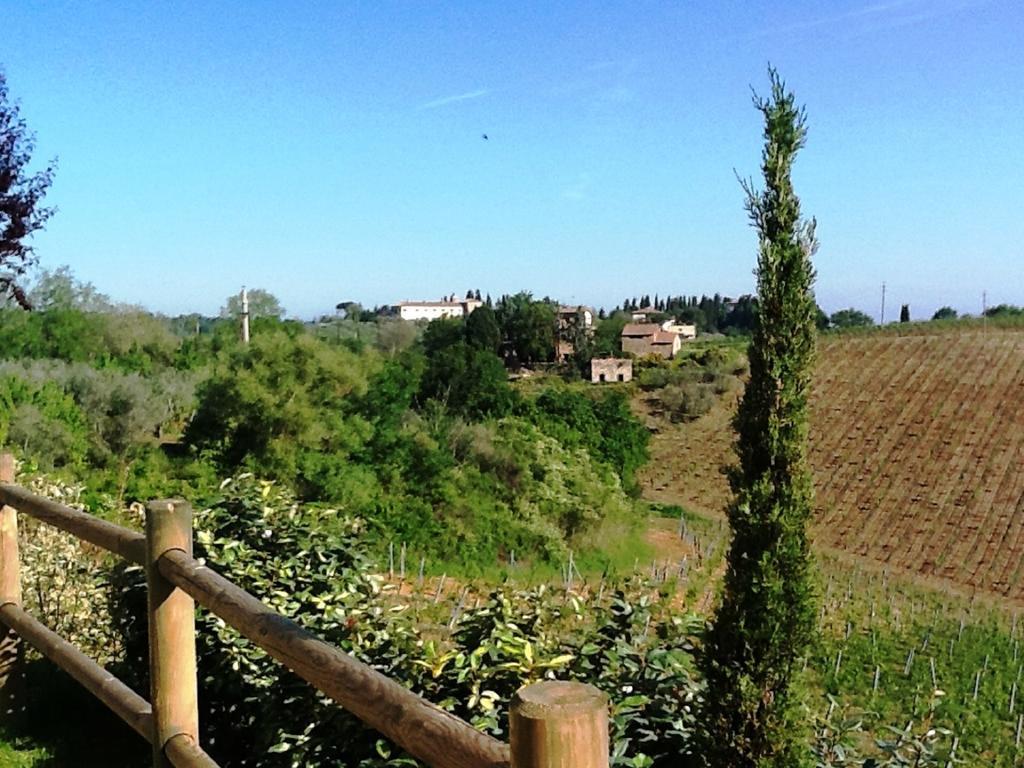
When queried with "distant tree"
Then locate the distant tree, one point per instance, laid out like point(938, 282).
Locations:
point(601, 314)
point(468, 379)
point(821, 320)
point(21, 195)
point(608, 334)
point(850, 318)
point(766, 619)
point(394, 336)
point(945, 313)
point(469, 294)
point(482, 329)
point(741, 318)
point(527, 327)
point(1004, 310)
point(905, 313)
point(477, 294)
point(351, 309)
point(59, 289)
point(262, 303)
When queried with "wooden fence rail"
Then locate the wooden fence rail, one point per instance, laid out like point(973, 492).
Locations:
point(552, 724)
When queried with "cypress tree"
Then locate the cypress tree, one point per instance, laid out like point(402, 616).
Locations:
point(766, 620)
point(905, 313)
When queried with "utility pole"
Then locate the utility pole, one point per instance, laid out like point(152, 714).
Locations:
point(882, 320)
point(245, 316)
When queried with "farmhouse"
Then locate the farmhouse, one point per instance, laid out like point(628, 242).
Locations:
point(642, 314)
point(610, 369)
point(685, 331)
point(433, 310)
point(570, 314)
point(642, 339)
point(572, 320)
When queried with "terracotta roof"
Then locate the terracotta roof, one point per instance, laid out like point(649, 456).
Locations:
point(640, 329)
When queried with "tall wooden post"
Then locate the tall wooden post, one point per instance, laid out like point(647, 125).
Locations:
point(10, 592)
point(559, 725)
point(172, 637)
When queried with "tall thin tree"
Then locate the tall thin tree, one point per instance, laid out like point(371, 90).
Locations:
point(765, 622)
point(21, 194)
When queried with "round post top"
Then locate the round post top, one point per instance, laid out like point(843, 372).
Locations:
point(558, 699)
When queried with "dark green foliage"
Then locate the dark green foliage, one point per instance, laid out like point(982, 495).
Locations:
point(711, 314)
point(21, 195)
point(482, 329)
point(282, 405)
point(43, 420)
point(765, 622)
point(528, 328)
point(945, 313)
point(466, 378)
point(398, 441)
point(821, 320)
point(605, 426)
point(905, 313)
point(1004, 310)
point(608, 335)
point(850, 318)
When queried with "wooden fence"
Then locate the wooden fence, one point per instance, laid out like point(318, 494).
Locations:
point(551, 724)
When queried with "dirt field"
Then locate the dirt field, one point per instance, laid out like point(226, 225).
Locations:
point(917, 445)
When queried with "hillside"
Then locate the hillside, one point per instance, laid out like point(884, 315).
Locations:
point(917, 446)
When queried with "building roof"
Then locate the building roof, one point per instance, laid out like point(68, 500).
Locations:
point(433, 303)
point(640, 329)
point(664, 337)
point(566, 309)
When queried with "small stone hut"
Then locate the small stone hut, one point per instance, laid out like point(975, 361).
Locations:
point(610, 369)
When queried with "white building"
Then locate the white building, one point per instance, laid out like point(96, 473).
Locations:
point(683, 330)
point(434, 310)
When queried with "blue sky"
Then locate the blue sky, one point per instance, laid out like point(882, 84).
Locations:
point(333, 151)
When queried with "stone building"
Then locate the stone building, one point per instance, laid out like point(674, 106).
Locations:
point(607, 369)
point(572, 321)
point(642, 339)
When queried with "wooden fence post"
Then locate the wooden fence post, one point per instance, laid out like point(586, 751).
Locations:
point(172, 640)
point(559, 725)
point(10, 592)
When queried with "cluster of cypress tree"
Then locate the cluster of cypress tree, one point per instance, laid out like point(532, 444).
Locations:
point(766, 619)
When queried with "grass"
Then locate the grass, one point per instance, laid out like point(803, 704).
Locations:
point(930, 649)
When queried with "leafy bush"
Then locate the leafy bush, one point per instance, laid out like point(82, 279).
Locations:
point(687, 401)
point(284, 405)
point(604, 426)
point(311, 564)
point(64, 582)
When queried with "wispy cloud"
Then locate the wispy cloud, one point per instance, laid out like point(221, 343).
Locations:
point(877, 15)
point(455, 99)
